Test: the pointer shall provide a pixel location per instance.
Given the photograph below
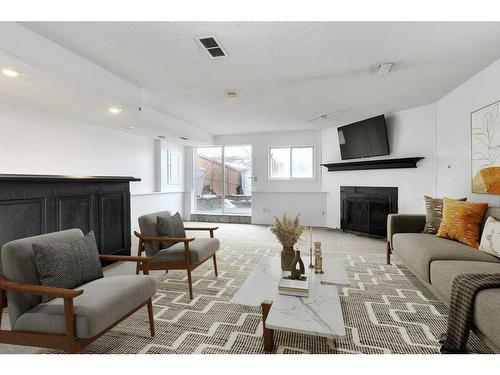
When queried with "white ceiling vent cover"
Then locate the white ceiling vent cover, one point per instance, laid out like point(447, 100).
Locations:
point(212, 46)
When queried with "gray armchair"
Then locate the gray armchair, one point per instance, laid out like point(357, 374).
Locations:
point(76, 317)
point(186, 254)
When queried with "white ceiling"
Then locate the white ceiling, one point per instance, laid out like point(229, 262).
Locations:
point(284, 73)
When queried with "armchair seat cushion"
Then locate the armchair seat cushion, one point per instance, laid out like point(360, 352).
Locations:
point(103, 302)
point(201, 249)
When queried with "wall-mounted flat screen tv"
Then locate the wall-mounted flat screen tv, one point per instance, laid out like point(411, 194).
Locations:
point(363, 138)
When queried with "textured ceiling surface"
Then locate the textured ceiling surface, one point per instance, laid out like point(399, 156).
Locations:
point(284, 73)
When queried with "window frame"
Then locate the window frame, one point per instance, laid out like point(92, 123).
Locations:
point(291, 178)
point(194, 205)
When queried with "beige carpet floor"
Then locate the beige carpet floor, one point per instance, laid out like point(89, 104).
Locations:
point(386, 309)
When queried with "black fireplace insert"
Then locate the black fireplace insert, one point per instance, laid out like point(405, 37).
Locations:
point(364, 209)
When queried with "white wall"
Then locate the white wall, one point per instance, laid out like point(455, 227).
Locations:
point(410, 133)
point(271, 197)
point(260, 149)
point(453, 133)
point(440, 132)
point(310, 205)
point(34, 142)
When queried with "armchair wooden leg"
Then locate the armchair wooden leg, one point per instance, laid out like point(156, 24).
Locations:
point(151, 318)
point(145, 268)
point(3, 303)
point(388, 252)
point(215, 266)
point(140, 249)
point(190, 284)
point(70, 325)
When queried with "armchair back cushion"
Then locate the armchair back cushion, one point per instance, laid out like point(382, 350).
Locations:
point(148, 227)
point(68, 264)
point(18, 262)
point(170, 227)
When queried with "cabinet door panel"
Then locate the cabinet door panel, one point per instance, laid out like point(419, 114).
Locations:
point(22, 218)
point(112, 223)
point(75, 212)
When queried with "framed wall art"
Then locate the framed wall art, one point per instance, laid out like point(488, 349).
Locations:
point(485, 149)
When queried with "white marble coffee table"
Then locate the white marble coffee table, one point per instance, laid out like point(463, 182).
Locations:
point(319, 314)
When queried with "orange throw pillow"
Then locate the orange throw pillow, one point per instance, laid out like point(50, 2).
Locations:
point(461, 221)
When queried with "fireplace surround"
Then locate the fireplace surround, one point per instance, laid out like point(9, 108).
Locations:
point(364, 209)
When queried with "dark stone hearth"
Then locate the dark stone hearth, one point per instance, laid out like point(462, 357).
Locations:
point(364, 209)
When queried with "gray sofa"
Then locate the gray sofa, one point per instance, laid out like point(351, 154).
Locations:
point(437, 261)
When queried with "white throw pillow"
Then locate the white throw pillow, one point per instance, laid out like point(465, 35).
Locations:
point(490, 239)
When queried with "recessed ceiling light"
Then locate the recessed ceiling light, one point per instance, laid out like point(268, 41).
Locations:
point(383, 69)
point(11, 73)
point(184, 138)
point(115, 110)
point(130, 127)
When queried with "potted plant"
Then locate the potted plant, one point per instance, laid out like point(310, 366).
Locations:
point(288, 232)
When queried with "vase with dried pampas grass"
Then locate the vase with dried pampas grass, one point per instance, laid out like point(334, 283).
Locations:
point(288, 232)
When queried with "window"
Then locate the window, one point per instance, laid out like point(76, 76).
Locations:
point(286, 163)
point(223, 177)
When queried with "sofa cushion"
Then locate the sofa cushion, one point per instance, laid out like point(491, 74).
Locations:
point(490, 239)
point(434, 213)
point(200, 248)
point(67, 264)
point(172, 226)
point(103, 302)
point(462, 221)
point(418, 250)
point(487, 314)
point(487, 303)
point(444, 271)
point(493, 212)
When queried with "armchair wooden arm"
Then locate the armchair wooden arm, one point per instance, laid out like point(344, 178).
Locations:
point(201, 228)
point(38, 289)
point(43, 339)
point(210, 229)
point(124, 258)
point(173, 239)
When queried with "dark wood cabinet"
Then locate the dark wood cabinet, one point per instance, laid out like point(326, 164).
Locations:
point(35, 204)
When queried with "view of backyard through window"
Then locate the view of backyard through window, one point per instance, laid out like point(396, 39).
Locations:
point(224, 179)
point(291, 162)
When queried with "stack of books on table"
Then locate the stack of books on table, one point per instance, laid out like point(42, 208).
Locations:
point(298, 288)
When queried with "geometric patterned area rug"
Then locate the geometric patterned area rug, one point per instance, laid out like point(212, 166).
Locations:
point(386, 310)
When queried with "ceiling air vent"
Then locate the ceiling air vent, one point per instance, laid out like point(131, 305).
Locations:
point(210, 45)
